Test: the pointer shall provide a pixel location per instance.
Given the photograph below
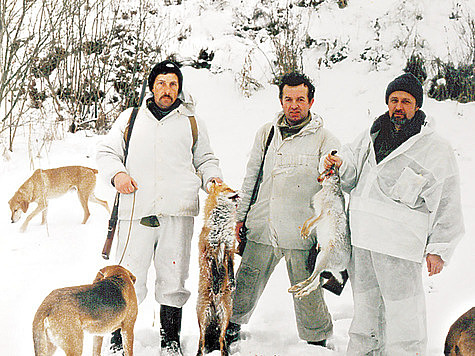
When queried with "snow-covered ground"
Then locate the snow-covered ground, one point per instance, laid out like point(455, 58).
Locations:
point(66, 253)
point(349, 96)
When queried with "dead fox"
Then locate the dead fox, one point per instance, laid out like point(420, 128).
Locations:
point(216, 260)
point(333, 234)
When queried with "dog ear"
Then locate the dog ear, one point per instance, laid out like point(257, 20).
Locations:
point(99, 275)
point(132, 277)
point(24, 205)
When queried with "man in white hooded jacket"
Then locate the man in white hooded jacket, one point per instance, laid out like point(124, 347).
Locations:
point(159, 192)
point(404, 207)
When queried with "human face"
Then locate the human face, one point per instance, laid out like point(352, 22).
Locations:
point(295, 103)
point(402, 107)
point(165, 90)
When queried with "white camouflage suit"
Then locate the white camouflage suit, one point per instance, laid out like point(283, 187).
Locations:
point(169, 173)
point(400, 210)
point(283, 204)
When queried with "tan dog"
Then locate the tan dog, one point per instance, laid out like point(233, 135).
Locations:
point(461, 337)
point(45, 184)
point(216, 260)
point(109, 303)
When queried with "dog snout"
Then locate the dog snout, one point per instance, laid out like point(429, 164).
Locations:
point(15, 216)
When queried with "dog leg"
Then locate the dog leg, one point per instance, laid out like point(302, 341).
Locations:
point(43, 216)
point(128, 339)
point(39, 209)
point(83, 199)
point(94, 199)
point(97, 345)
point(72, 342)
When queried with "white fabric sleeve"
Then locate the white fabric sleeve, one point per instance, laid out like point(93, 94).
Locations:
point(204, 160)
point(110, 149)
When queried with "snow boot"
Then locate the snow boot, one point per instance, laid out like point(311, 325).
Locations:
point(233, 333)
point(322, 343)
point(170, 327)
point(116, 343)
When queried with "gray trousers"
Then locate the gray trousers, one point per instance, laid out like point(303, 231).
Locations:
point(258, 262)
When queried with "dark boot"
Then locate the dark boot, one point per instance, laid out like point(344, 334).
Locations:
point(170, 327)
point(322, 343)
point(233, 333)
point(116, 343)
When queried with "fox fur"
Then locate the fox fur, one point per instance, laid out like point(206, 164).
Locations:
point(216, 261)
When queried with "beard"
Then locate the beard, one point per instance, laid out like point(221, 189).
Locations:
point(398, 120)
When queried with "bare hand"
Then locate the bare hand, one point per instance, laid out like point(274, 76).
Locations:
point(435, 264)
point(239, 225)
point(124, 183)
point(332, 160)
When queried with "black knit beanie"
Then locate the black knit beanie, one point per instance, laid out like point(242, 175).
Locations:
point(165, 67)
point(408, 83)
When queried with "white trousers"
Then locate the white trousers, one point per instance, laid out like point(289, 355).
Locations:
point(168, 246)
point(389, 305)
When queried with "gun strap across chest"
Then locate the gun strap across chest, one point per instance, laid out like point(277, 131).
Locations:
point(260, 173)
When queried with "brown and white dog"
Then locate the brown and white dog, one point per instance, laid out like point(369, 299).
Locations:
point(109, 303)
point(45, 184)
point(461, 337)
point(216, 260)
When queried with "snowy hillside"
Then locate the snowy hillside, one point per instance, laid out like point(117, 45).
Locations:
point(349, 95)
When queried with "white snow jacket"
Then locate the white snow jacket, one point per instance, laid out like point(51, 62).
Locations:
point(161, 159)
point(408, 205)
point(289, 182)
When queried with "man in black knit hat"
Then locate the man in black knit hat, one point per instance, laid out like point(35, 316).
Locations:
point(169, 159)
point(404, 208)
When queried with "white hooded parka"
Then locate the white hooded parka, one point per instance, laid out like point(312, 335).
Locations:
point(408, 205)
point(168, 169)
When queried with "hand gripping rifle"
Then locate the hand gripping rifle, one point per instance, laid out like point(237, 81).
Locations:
point(115, 210)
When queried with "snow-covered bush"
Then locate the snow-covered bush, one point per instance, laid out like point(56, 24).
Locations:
point(453, 82)
point(416, 65)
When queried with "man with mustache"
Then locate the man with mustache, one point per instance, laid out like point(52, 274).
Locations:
point(289, 181)
point(404, 208)
point(169, 159)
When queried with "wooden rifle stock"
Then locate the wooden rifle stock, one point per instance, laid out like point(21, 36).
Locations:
point(111, 229)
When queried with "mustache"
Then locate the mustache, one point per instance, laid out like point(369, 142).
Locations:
point(166, 96)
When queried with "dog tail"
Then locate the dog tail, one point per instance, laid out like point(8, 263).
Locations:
point(41, 342)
